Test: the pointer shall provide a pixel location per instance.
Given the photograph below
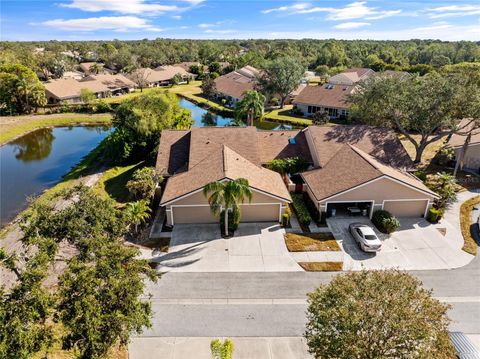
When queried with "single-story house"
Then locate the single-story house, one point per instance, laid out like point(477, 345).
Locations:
point(328, 98)
point(69, 89)
point(357, 166)
point(232, 86)
point(86, 67)
point(470, 151)
point(351, 76)
point(163, 75)
point(77, 75)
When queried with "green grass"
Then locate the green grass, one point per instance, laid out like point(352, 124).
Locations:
point(114, 181)
point(283, 116)
point(322, 266)
point(9, 131)
point(308, 242)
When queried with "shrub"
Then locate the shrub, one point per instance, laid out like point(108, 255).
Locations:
point(285, 220)
point(221, 350)
point(385, 221)
point(143, 183)
point(434, 215)
point(301, 209)
point(320, 118)
point(288, 165)
point(421, 175)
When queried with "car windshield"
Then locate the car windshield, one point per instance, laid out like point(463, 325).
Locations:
point(370, 237)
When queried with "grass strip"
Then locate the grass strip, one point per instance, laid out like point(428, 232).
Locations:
point(322, 266)
point(467, 227)
point(311, 242)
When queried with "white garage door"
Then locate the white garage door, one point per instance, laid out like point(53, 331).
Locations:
point(260, 213)
point(194, 214)
point(406, 208)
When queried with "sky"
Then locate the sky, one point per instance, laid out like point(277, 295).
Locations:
point(30, 20)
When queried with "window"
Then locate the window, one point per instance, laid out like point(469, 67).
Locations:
point(309, 109)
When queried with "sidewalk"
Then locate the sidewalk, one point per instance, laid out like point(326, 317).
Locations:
point(199, 348)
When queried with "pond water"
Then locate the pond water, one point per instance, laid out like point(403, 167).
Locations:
point(204, 118)
point(38, 160)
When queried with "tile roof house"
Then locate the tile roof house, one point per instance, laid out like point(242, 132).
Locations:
point(69, 89)
point(332, 96)
point(163, 75)
point(467, 154)
point(232, 85)
point(350, 166)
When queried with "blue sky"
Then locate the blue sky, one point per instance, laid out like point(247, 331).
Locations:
point(209, 19)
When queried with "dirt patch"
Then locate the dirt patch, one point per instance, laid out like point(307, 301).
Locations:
point(322, 266)
point(311, 242)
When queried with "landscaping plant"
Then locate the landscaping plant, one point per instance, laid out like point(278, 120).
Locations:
point(385, 221)
point(143, 183)
point(221, 350)
point(301, 209)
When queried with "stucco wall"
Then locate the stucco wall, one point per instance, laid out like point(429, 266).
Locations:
point(472, 157)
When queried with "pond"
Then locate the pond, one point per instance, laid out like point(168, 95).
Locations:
point(38, 160)
point(204, 118)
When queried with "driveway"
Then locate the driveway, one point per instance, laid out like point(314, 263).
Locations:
point(256, 247)
point(417, 245)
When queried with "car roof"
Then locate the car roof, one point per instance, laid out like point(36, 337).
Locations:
point(366, 229)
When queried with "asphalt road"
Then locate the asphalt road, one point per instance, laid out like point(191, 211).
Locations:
point(273, 304)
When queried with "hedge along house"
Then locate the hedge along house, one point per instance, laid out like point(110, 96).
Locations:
point(357, 166)
point(363, 167)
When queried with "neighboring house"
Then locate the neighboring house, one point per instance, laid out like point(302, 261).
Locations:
point(357, 166)
point(331, 97)
point(69, 89)
point(77, 75)
point(471, 151)
point(163, 75)
point(232, 86)
point(85, 67)
point(187, 64)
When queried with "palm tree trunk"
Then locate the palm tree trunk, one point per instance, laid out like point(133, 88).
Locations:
point(226, 221)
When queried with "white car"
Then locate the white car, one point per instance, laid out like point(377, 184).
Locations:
point(365, 236)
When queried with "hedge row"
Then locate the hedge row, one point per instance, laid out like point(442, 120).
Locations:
point(301, 209)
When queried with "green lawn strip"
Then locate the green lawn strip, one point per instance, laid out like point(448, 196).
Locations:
point(280, 115)
point(322, 266)
point(114, 181)
point(311, 242)
point(469, 245)
point(20, 128)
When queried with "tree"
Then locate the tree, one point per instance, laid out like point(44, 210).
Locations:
point(20, 90)
point(281, 77)
point(431, 106)
point(138, 213)
point(143, 183)
point(221, 350)
point(227, 195)
point(140, 77)
point(376, 314)
point(251, 106)
point(96, 68)
point(87, 95)
point(208, 87)
point(320, 118)
point(177, 79)
point(215, 67)
point(444, 184)
point(100, 301)
point(139, 121)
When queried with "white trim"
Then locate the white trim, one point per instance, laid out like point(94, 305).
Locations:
point(189, 205)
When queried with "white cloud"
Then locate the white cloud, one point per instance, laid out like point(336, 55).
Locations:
point(194, 2)
point(121, 6)
point(205, 26)
point(212, 31)
point(116, 23)
point(215, 24)
point(453, 11)
point(351, 25)
point(177, 17)
point(355, 10)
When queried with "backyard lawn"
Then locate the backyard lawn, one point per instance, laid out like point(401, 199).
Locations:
point(311, 242)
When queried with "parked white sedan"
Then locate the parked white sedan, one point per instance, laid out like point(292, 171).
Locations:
point(365, 236)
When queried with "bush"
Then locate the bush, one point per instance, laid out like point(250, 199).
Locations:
point(233, 220)
point(301, 209)
point(285, 220)
point(143, 183)
point(288, 165)
point(320, 118)
point(434, 215)
point(421, 175)
point(221, 350)
point(385, 221)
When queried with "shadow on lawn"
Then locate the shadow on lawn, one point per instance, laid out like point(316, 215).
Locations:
point(116, 187)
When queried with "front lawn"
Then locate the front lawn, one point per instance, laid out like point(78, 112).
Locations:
point(469, 245)
point(322, 266)
point(311, 242)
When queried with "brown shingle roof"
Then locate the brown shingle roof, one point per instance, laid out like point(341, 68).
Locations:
point(351, 167)
point(224, 163)
point(205, 140)
point(381, 143)
point(113, 82)
point(276, 144)
point(173, 152)
point(459, 140)
point(324, 96)
point(235, 83)
point(162, 73)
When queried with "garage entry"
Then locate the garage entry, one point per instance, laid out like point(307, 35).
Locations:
point(193, 214)
point(260, 212)
point(407, 208)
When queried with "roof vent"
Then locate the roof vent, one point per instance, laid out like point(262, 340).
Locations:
point(291, 140)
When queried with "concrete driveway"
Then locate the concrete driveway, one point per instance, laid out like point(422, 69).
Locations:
point(256, 247)
point(417, 245)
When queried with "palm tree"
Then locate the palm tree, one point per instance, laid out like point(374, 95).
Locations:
point(24, 88)
point(138, 212)
point(95, 68)
point(251, 106)
point(227, 195)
